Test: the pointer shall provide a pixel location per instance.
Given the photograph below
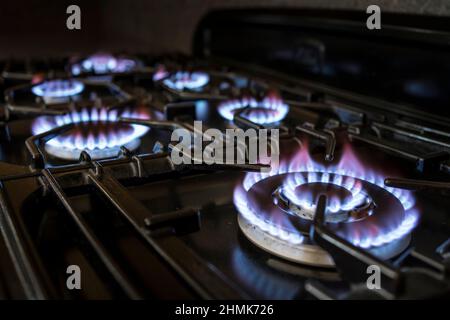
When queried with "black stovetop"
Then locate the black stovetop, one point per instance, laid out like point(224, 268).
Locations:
point(140, 226)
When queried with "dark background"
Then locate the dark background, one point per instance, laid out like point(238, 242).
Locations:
point(37, 28)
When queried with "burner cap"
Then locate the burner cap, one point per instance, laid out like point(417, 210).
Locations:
point(343, 204)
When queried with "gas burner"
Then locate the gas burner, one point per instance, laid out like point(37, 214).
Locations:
point(96, 131)
point(347, 202)
point(102, 64)
point(53, 96)
point(269, 110)
point(183, 80)
point(57, 91)
point(277, 208)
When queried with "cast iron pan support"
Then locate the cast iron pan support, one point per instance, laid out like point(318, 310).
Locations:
point(352, 262)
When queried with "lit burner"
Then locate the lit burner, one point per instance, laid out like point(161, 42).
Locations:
point(54, 91)
point(270, 110)
point(184, 80)
point(96, 131)
point(347, 201)
point(277, 209)
point(103, 63)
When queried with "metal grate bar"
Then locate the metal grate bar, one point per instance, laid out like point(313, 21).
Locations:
point(327, 136)
point(205, 280)
point(102, 253)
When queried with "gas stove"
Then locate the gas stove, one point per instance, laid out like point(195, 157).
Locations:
point(87, 176)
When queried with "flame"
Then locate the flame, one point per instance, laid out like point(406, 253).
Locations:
point(346, 174)
point(96, 128)
point(269, 226)
point(183, 80)
point(58, 88)
point(103, 63)
point(37, 78)
point(160, 73)
point(334, 204)
point(270, 110)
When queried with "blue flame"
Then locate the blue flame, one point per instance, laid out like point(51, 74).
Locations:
point(344, 174)
point(91, 141)
point(184, 80)
point(58, 88)
point(242, 204)
point(270, 110)
point(335, 204)
point(103, 63)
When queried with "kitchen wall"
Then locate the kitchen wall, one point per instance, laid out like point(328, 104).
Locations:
point(37, 27)
point(158, 26)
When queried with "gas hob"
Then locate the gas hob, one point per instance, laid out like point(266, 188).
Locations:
point(88, 179)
